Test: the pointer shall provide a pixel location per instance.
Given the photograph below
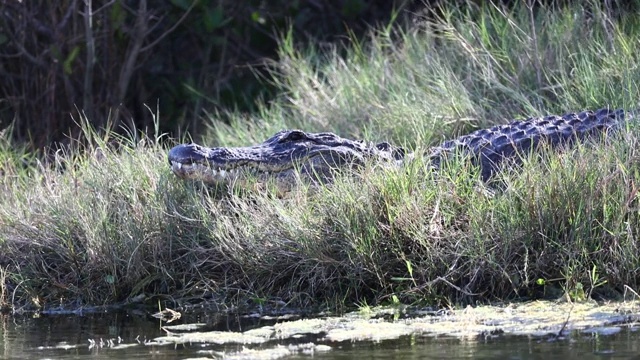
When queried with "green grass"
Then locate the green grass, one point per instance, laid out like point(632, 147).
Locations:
point(105, 220)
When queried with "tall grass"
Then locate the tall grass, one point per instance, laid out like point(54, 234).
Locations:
point(107, 221)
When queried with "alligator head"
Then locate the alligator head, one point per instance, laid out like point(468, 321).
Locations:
point(285, 157)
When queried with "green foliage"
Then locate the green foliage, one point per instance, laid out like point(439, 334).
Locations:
point(468, 70)
point(107, 221)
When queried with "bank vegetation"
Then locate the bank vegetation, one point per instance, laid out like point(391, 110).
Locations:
point(104, 220)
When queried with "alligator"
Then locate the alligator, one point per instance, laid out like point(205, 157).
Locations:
point(293, 155)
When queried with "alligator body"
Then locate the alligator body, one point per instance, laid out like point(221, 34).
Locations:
point(293, 155)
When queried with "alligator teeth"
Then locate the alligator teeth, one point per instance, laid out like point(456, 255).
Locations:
point(214, 173)
point(219, 172)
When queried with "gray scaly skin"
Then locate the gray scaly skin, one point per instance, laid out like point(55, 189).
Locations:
point(292, 155)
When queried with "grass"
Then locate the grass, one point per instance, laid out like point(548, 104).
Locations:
point(105, 220)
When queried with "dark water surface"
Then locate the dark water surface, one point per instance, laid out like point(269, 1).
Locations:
point(124, 336)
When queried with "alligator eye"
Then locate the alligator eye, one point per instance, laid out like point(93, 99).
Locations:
point(294, 135)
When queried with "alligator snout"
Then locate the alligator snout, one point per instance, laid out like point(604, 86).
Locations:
point(186, 154)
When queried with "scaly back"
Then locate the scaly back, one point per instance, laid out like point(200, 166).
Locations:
point(489, 147)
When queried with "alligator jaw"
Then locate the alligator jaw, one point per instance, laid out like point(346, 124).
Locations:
point(211, 175)
point(203, 172)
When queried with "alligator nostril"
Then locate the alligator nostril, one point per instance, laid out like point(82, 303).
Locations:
point(185, 153)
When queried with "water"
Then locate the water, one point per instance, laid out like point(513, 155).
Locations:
point(624, 345)
point(126, 336)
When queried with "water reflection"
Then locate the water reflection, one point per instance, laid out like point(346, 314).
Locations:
point(72, 336)
point(621, 346)
point(126, 336)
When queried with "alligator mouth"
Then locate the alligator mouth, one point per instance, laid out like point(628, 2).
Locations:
point(211, 174)
point(193, 168)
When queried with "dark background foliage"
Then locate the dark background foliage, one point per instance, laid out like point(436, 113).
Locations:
point(109, 59)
